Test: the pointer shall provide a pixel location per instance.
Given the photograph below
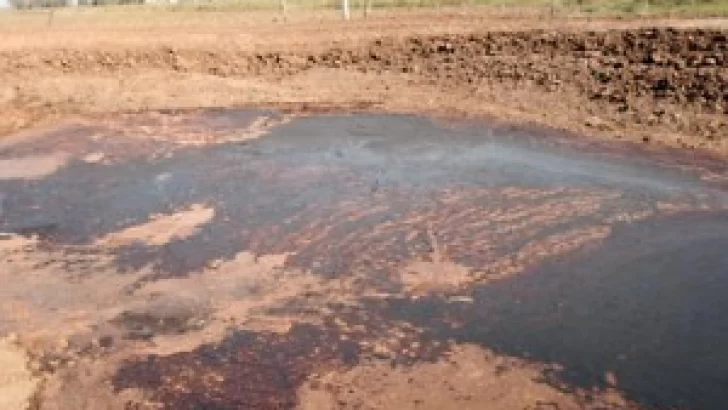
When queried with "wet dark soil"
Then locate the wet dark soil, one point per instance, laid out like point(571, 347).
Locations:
point(646, 308)
point(272, 366)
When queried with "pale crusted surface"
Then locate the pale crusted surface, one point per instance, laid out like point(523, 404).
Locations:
point(17, 384)
point(32, 167)
point(162, 229)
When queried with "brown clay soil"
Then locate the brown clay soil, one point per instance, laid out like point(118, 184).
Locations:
point(667, 83)
point(152, 257)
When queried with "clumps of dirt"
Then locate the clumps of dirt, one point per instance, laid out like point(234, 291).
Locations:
point(683, 66)
point(659, 79)
point(653, 77)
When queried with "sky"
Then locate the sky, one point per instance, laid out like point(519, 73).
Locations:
point(3, 3)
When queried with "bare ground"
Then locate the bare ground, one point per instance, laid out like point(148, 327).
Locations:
point(87, 332)
point(180, 305)
point(595, 77)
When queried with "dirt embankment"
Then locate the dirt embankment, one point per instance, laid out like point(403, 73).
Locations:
point(660, 84)
point(648, 76)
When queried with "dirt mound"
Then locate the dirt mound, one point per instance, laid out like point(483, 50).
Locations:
point(683, 66)
point(650, 76)
point(664, 84)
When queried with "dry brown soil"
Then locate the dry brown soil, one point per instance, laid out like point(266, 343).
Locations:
point(598, 77)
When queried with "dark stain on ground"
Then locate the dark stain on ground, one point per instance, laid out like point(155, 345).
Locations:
point(364, 194)
point(162, 317)
point(248, 370)
point(298, 176)
point(647, 307)
point(263, 370)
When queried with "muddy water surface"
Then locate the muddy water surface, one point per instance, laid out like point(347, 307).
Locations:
point(254, 259)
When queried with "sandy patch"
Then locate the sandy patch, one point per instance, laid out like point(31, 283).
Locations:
point(162, 229)
point(45, 303)
point(470, 378)
point(85, 386)
point(32, 167)
point(16, 243)
point(17, 384)
point(94, 157)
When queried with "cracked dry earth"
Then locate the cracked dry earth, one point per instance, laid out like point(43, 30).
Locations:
point(257, 260)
